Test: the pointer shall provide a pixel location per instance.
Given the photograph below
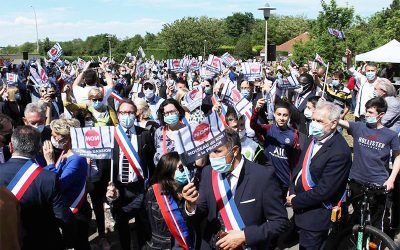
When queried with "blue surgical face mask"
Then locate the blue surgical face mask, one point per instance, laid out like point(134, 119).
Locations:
point(371, 121)
point(245, 93)
point(220, 165)
point(375, 94)
point(335, 83)
point(370, 75)
point(316, 130)
point(171, 119)
point(127, 121)
point(97, 104)
point(180, 177)
point(208, 90)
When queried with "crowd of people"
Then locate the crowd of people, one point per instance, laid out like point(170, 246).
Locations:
point(290, 152)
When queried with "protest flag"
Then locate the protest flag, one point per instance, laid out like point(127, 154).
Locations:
point(228, 60)
point(197, 140)
point(232, 96)
point(93, 142)
point(193, 99)
point(11, 78)
point(252, 69)
point(140, 53)
point(337, 33)
point(55, 52)
point(319, 60)
point(214, 64)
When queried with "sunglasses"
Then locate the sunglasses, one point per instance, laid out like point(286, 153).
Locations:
point(148, 87)
point(97, 100)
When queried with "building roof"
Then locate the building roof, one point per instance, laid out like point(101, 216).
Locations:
point(288, 46)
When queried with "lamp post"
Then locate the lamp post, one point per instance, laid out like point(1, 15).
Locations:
point(204, 50)
point(109, 36)
point(267, 13)
point(37, 34)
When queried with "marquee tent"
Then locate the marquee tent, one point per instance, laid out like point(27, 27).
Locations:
point(389, 53)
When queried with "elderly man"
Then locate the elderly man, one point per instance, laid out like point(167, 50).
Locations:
point(253, 192)
point(365, 85)
point(384, 88)
point(35, 116)
point(320, 178)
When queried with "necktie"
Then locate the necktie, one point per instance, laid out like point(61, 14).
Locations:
point(125, 165)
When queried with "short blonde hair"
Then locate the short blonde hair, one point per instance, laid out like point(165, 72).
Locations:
point(62, 126)
point(95, 93)
point(142, 105)
point(180, 94)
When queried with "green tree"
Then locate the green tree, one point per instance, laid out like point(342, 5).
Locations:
point(243, 48)
point(239, 23)
point(187, 35)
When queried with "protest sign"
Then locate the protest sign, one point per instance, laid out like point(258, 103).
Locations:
point(175, 65)
point(252, 69)
point(228, 60)
point(55, 52)
point(11, 78)
point(214, 64)
point(232, 97)
point(195, 141)
point(206, 74)
point(93, 142)
point(193, 99)
point(337, 33)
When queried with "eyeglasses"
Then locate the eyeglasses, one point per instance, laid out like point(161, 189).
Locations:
point(97, 100)
point(175, 112)
point(127, 113)
point(148, 87)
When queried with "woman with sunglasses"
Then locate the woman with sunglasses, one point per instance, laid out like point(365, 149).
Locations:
point(72, 171)
point(170, 115)
point(163, 198)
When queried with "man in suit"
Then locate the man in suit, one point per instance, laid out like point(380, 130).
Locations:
point(126, 192)
point(6, 129)
point(256, 195)
point(42, 207)
point(320, 178)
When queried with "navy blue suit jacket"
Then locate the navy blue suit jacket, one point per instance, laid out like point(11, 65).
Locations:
point(41, 207)
point(329, 169)
point(263, 214)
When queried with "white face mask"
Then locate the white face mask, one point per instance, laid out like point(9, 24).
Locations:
point(242, 134)
point(88, 123)
point(56, 144)
point(148, 93)
point(308, 113)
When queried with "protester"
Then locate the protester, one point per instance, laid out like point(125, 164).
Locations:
point(127, 190)
point(43, 209)
point(71, 170)
point(154, 101)
point(319, 180)
point(6, 129)
point(251, 184)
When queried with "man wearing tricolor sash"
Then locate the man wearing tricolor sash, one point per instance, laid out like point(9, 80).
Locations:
point(239, 198)
point(43, 209)
point(320, 177)
point(132, 167)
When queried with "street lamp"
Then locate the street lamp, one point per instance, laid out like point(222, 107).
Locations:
point(37, 34)
point(109, 36)
point(267, 13)
point(204, 50)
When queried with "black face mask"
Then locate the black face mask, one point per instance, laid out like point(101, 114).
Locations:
point(6, 139)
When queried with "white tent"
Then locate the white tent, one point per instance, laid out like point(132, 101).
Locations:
point(389, 53)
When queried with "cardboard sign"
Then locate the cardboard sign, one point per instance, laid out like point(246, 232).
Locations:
point(93, 142)
point(195, 141)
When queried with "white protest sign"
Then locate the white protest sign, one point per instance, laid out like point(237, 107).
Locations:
point(195, 141)
point(93, 142)
point(193, 99)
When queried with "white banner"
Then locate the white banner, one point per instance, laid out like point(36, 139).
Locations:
point(252, 69)
point(55, 52)
point(93, 142)
point(195, 141)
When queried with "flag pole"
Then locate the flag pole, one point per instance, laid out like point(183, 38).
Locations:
point(112, 170)
point(326, 76)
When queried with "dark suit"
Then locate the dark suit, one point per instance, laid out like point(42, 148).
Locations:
point(264, 217)
point(329, 170)
point(131, 201)
point(41, 206)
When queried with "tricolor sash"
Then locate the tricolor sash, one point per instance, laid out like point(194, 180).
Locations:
point(79, 200)
point(226, 203)
point(173, 218)
point(129, 150)
point(306, 179)
point(24, 178)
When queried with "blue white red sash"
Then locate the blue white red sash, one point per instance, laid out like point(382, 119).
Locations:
point(226, 203)
point(306, 179)
point(129, 150)
point(24, 178)
point(79, 200)
point(173, 218)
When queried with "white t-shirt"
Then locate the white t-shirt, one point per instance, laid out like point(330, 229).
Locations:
point(249, 149)
point(81, 94)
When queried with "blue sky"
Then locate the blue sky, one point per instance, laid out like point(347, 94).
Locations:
point(65, 20)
